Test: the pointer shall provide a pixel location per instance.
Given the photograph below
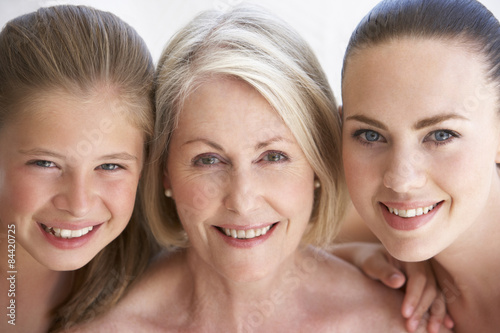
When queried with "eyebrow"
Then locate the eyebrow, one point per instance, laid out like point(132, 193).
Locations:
point(205, 141)
point(43, 152)
point(367, 120)
point(264, 144)
point(436, 120)
point(426, 122)
point(258, 146)
point(119, 156)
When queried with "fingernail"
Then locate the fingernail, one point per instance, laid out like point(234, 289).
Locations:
point(408, 311)
point(394, 277)
point(435, 326)
point(413, 325)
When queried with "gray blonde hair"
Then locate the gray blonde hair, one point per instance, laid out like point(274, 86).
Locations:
point(77, 49)
point(249, 44)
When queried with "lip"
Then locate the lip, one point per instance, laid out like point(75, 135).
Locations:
point(408, 223)
point(249, 242)
point(69, 243)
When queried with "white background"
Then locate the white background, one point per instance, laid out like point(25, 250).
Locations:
point(325, 24)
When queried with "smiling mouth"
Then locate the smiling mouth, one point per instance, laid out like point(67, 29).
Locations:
point(246, 234)
point(407, 213)
point(66, 233)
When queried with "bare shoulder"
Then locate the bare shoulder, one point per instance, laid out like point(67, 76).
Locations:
point(353, 301)
point(148, 303)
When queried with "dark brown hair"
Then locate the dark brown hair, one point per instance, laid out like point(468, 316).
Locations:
point(467, 21)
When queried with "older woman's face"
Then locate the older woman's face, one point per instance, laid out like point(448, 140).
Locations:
point(242, 186)
point(420, 142)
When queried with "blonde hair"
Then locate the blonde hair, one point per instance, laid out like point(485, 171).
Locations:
point(249, 44)
point(78, 49)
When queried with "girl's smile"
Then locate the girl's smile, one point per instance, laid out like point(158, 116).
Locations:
point(69, 169)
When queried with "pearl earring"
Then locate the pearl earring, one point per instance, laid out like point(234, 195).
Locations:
point(317, 184)
point(168, 193)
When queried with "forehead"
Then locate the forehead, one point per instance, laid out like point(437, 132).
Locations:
point(415, 72)
point(223, 104)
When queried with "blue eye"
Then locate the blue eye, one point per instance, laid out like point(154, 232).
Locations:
point(441, 137)
point(44, 164)
point(109, 167)
point(371, 136)
point(367, 136)
point(274, 156)
point(207, 160)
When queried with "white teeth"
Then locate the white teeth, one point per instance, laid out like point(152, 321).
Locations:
point(246, 234)
point(66, 233)
point(411, 212)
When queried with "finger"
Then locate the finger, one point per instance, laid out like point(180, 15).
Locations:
point(448, 322)
point(380, 269)
point(437, 315)
point(426, 301)
point(416, 292)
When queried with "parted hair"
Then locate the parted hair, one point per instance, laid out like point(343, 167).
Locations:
point(78, 49)
point(248, 43)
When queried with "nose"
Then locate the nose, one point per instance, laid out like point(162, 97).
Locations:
point(405, 172)
point(242, 195)
point(75, 195)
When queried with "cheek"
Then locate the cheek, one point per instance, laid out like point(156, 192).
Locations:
point(360, 175)
point(22, 195)
point(119, 198)
point(197, 197)
point(454, 176)
point(290, 194)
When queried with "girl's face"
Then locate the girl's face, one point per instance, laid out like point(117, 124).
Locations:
point(421, 142)
point(69, 169)
point(241, 183)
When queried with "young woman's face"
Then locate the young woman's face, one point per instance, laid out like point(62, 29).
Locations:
point(69, 169)
point(420, 141)
point(242, 186)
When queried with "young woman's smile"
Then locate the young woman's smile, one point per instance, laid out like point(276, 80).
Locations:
point(414, 110)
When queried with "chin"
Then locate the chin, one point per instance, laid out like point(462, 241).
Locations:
point(66, 264)
point(404, 251)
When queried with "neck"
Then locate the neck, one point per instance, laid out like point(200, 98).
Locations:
point(34, 291)
point(240, 302)
point(467, 272)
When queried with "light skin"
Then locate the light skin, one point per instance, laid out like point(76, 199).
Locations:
point(233, 164)
point(421, 126)
point(247, 173)
point(66, 162)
